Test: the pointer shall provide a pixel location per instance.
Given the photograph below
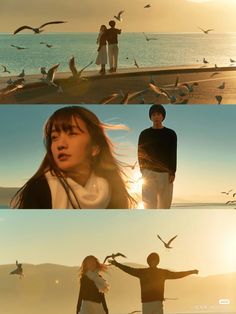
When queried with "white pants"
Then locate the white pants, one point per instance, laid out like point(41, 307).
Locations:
point(89, 307)
point(157, 191)
point(113, 55)
point(154, 307)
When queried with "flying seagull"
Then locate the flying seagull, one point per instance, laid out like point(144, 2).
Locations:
point(113, 256)
point(147, 6)
point(206, 31)
point(167, 245)
point(118, 17)
point(5, 69)
point(18, 271)
point(136, 63)
point(74, 70)
point(108, 98)
point(149, 38)
point(51, 75)
point(18, 47)
point(36, 30)
point(227, 193)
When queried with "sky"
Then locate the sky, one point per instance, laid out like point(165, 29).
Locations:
point(206, 240)
point(87, 16)
point(205, 154)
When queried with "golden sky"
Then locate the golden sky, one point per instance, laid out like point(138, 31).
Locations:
point(86, 16)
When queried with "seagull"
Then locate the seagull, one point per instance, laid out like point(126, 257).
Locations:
point(43, 71)
point(22, 74)
point(136, 64)
point(18, 270)
point(167, 245)
point(51, 75)
point(128, 96)
point(5, 69)
point(219, 99)
point(147, 6)
point(108, 98)
point(118, 17)
point(227, 193)
point(149, 38)
point(19, 47)
point(36, 30)
point(113, 256)
point(206, 31)
point(160, 91)
point(72, 66)
point(205, 61)
point(46, 44)
point(222, 86)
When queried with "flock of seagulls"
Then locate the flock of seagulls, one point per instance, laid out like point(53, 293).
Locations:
point(231, 194)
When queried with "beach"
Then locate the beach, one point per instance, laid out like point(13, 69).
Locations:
point(191, 84)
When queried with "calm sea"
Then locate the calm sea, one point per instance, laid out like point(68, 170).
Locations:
point(167, 50)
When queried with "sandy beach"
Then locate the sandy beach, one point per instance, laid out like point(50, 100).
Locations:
point(183, 84)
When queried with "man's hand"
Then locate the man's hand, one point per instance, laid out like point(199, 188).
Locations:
point(112, 261)
point(171, 178)
point(195, 271)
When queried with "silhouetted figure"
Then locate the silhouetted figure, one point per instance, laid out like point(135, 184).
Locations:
point(102, 49)
point(92, 288)
point(18, 271)
point(157, 150)
point(152, 281)
point(112, 39)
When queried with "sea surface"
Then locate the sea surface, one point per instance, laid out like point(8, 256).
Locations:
point(181, 206)
point(167, 50)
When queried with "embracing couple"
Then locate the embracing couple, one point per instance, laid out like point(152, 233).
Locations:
point(108, 35)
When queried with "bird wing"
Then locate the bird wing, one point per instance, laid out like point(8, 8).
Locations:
point(51, 72)
point(80, 72)
point(21, 28)
point(109, 98)
point(201, 29)
point(145, 36)
point(72, 66)
point(209, 30)
point(53, 22)
point(171, 240)
point(119, 254)
point(177, 81)
point(119, 14)
point(160, 239)
point(106, 258)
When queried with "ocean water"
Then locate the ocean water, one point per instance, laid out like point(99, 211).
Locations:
point(167, 50)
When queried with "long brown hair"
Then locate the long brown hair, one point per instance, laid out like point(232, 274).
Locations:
point(84, 269)
point(104, 164)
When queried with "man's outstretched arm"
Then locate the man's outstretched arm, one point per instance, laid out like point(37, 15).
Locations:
point(129, 270)
point(180, 274)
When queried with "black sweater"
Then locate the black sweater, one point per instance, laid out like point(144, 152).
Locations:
point(152, 280)
point(89, 291)
point(157, 150)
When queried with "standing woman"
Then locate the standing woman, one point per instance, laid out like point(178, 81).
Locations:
point(79, 170)
point(92, 288)
point(102, 49)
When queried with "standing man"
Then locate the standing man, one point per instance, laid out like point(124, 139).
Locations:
point(157, 150)
point(152, 282)
point(112, 39)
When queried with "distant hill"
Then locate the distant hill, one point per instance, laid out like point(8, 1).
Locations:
point(6, 195)
point(53, 289)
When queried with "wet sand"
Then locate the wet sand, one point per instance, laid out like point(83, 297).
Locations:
point(92, 88)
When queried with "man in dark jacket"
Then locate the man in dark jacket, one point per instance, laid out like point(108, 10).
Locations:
point(157, 150)
point(152, 280)
point(112, 39)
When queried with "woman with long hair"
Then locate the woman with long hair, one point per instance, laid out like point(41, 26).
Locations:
point(92, 287)
point(102, 49)
point(79, 170)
